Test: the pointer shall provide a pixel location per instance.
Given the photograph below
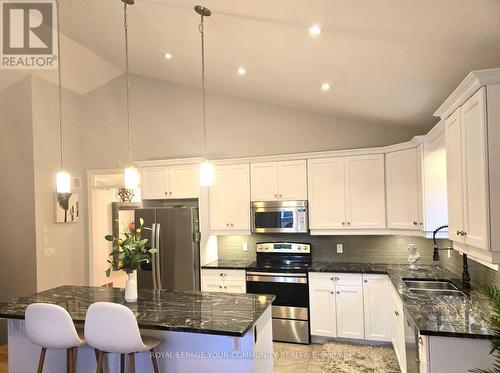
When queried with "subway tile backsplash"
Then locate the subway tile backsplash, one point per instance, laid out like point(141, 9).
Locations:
point(360, 249)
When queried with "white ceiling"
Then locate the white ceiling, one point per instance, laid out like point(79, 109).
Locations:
point(389, 62)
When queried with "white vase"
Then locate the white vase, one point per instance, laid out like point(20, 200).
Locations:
point(131, 288)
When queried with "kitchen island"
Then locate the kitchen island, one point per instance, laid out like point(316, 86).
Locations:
point(200, 331)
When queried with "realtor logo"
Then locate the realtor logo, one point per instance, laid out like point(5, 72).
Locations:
point(29, 34)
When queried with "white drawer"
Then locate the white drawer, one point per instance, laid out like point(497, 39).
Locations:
point(224, 274)
point(335, 278)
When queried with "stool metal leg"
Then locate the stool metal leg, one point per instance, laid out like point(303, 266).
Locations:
point(70, 360)
point(100, 361)
point(155, 362)
point(42, 360)
point(122, 363)
point(132, 362)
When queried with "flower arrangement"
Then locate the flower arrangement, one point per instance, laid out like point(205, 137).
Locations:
point(129, 250)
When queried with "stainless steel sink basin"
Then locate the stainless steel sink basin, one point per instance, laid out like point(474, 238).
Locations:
point(430, 284)
point(437, 292)
point(432, 287)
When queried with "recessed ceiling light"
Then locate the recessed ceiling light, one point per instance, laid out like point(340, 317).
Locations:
point(325, 87)
point(314, 30)
point(168, 56)
point(242, 71)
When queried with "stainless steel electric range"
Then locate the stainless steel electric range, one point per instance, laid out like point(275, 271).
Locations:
point(281, 270)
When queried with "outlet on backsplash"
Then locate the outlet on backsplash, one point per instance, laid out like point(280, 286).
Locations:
point(340, 248)
point(245, 247)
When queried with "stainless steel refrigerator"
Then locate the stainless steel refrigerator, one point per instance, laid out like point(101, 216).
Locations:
point(175, 233)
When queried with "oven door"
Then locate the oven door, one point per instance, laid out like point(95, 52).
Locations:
point(275, 220)
point(290, 309)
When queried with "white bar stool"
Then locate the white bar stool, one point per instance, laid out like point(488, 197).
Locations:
point(51, 327)
point(112, 328)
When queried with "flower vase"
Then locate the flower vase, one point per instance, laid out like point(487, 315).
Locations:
point(131, 289)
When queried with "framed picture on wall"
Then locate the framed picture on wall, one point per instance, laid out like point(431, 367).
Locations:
point(67, 207)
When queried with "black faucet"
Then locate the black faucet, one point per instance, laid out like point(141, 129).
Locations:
point(436, 257)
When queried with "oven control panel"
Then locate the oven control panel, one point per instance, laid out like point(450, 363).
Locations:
point(283, 247)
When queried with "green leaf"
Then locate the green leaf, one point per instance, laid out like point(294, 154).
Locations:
point(109, 238)
point(141, 221)
point(152, 251)
point(108, 272)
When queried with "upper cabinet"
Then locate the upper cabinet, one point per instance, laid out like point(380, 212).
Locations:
point(171, 182)
point(229, 199)
point(279, 181)
point(403, 189)
point(472, 115)
point(468, 183)
point(347, 193)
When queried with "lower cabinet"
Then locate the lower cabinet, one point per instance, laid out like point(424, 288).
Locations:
point(336, 305)
point(223, 281)
point(398, 330)
point(377, 307)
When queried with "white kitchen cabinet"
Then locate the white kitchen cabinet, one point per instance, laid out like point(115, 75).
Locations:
point(229, 199)
point(223, 280)
point(349, 311)
point(279, 181)
point(327, 202)
point(365, 194)
point(455, 177)
point(403, 189)
point(377, 307)
point(347, 193)
point(472, 115)
point(336, 305)
point(398, 330)
point(322, 310)
point(170, 182)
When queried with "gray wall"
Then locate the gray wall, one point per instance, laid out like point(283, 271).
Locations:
point(166, 123)
point(69, 265)
point(17, 213)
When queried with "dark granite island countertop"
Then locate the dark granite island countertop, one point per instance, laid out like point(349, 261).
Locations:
point(435, 315)
point(183, 311)
point(229, 264)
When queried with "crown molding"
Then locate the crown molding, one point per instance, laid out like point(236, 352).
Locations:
point(469, 86)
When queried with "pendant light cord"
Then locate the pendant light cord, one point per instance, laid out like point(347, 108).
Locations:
point(61, 137)
point(201, 29)
point(125, 25)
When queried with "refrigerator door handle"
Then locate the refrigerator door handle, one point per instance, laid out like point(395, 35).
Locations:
point(158, 267)
point(153, 256)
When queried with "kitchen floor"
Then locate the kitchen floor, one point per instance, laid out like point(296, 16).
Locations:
point(294, 358)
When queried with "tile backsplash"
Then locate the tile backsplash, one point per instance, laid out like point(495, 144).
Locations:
point(371, 249)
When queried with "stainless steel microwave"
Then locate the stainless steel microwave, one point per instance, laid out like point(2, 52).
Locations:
point(279, 217)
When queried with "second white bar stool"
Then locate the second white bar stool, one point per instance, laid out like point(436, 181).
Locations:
point(112, 328)
point(51, 327)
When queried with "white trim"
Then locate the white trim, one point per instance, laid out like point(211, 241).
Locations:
point(469, 86)
point(436, 131)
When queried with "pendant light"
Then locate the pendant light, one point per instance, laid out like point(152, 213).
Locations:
point(130, 173)
point(63, 178)
point(206, 168)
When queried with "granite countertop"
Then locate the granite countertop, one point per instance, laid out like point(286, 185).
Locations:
point(184, 311)
point(435, 315)
point(229, 264)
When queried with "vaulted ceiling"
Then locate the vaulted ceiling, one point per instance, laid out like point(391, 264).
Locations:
point(389, 62)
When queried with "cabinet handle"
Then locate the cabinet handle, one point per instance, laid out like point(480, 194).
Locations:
point(334, 278)
point(225, 287)
point(166, 193)
point(223, 274)
point(396, 313)
point(232, 225)
point(332, 292)
point(338, 292)
point(348, 223)
point(343, 223)
point(170, 193)
point(415, 223)
point(421, 223)
point(366, 280)
point(458, 233)
point(220, 287)
point(275, 196)
point(464, 233)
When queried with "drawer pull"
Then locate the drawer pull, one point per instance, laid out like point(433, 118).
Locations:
point(334, 278)
point(396, 313)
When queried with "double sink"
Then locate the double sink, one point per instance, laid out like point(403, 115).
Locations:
point(432, 287)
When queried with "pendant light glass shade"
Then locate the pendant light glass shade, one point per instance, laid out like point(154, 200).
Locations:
point(131, 177)
point(63, 182)
point(206, 174)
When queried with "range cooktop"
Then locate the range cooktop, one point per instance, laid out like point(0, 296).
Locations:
point(282, 257)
